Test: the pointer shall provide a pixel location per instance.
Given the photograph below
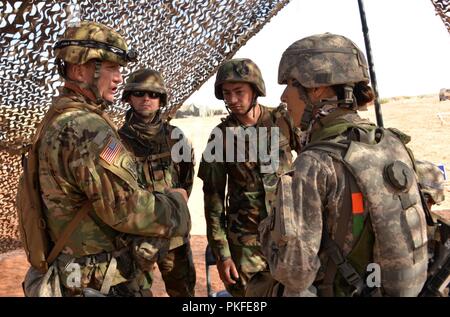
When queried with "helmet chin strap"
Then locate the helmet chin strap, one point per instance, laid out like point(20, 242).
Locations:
point(252, 107)
point(157, 116)
point(307, 116)
point(93, 87)
point(324, 107)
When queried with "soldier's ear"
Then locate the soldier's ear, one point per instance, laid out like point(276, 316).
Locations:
point(72, 71)
point(78, 72)
point(319, 93)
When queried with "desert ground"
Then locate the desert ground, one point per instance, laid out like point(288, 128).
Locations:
point(425, 119)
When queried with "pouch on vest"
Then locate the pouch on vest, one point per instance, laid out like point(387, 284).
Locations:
point(278, 230)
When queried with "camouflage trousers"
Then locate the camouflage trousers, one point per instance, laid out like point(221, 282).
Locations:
point(177, 271)
point(249, 260)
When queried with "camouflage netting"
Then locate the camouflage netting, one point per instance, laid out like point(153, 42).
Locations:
point(185, 40)
point(443, 10)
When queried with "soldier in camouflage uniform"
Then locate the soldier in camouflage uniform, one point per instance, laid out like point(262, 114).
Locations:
point(431, 180)
point(232, 219)
point(353, 198)
point(83, 164)
point(152, 139)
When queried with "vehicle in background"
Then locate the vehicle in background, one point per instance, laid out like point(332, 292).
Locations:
point(444, 94)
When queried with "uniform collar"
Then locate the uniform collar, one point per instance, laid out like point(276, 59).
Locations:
point(262, 117)
point(67, 91)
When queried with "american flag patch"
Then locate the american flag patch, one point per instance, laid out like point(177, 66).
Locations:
point(111, 150)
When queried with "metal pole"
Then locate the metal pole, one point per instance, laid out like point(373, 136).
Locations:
point(373, 77)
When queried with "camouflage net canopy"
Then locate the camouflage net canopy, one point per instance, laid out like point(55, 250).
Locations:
point(185, 40)
point(443, 10)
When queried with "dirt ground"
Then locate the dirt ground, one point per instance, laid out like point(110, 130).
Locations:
point(425, 119)
point(14, 265)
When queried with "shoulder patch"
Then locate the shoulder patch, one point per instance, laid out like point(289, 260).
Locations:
point(119, 161)
point(111, 150)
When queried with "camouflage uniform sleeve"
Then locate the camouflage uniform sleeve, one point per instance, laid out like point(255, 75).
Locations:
point(298, 261)
point(101, 169)
point(186, 168)
point(214, 181)
point(187, 174)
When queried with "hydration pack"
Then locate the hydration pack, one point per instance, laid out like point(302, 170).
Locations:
point(382, 172)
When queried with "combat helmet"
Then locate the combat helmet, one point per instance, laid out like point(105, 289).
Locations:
point(431, 180)
point(91, 40)
point(323, 60)
point(146, 80)
point(239, 70)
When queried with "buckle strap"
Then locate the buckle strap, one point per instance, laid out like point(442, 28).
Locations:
point(94, 259)
point(68, 230)
point(109, 276)
point(87, 259)
point(97, 258)
point(347, 271)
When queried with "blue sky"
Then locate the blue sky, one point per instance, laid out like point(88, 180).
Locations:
point(410, 44)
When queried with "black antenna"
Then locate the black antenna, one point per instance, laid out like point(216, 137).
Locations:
point(373, 78)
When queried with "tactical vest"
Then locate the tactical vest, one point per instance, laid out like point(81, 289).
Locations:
point(393, 232)
point(156, 169)
point(248, 176)
point(154, 158)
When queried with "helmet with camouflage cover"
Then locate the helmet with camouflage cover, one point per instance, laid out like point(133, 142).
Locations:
point(323, 60)
point(239, 70)
point(91, 40)
point(431, 180)
point(146, 79)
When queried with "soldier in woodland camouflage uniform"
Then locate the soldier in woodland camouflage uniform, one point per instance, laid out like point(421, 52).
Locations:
point(82, 162)
point(320, 238)
point(232, 219)
point(152, 139)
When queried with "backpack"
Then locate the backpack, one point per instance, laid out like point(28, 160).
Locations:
point(392, 232)
point(39, 248)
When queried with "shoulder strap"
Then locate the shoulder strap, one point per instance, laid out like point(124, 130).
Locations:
point(336, 150)
point(362, 131)
point(67, 232)
point(333, 248)
point(82, 105)
point(60, 108)
point(48, 118)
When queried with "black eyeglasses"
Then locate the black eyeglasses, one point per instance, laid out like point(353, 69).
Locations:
point(151, 94)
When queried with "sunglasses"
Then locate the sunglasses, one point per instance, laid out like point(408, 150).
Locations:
point(151, 94)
